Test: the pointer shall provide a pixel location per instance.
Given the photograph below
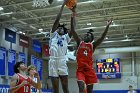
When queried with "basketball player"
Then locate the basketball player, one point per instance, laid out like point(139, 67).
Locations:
point(31, 72)
point(20, 82)
point(131, 90)
point(59, 39)
point(85, 73)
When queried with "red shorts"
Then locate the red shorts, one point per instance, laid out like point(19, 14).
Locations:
point(88, 76)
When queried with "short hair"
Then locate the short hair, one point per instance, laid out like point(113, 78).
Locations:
point(16, 66)
point(130, 86)
point(30, 67)
point(92, 36)
point(64, 27)
point(91, 30)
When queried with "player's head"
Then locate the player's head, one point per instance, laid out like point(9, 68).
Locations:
point(89, 37)
point(31, 70)
point(130, 87)
point(61, 29)
point(19, 66)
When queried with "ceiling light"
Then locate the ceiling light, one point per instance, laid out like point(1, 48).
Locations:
point(20, 32)
point(40, 30)
point(124, 40)
point(22, 22)
point(126, 36)
point(7, 13)
point(106, 38)
point(33, 27)
point(23, 33)
point(89, 28)
point(1, 8)
point(89, 24)
point(59, 0)
point(90, 1)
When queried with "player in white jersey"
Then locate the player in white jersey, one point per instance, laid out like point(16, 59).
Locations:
point(59, 39)
point(131, 90)
point(31, 72)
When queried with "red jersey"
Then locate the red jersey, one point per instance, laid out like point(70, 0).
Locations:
point(84, 56)
point(26, 87)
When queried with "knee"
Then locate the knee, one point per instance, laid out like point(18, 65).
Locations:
point(65, 88)
point(89, 89)
point(65, 85)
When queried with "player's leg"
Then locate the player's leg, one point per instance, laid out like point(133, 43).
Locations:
point(90, 79)
point(55, 83)
point(81, 81)
point(81, 86)
point(64, 83)
point(89, 88)
point(63, 74)
point(53, 73)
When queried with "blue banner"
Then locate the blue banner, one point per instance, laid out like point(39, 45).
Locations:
point(36, 46)
point(4, 89)
point(2, 61)
point(39, 67)
point(33, 60)
point(38, 64)
point(11, 62)
point(22, 57)
point(10, 35)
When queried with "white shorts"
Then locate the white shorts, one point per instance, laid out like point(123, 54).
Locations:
point(58, 66)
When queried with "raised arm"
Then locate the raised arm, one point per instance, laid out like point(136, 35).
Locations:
point(99, 41)
point(72, 27)
point(38, 84)
point(56, 23)
point(73, 24)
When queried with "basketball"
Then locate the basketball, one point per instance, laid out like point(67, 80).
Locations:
point(71, 3)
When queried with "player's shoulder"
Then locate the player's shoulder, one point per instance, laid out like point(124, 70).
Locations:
point(53, 34)
point(14, 77)
point(81, 42)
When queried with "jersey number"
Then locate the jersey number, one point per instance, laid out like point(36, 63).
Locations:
point(85, 53)
point(26, 88)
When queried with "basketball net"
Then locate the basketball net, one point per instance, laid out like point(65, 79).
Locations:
point(40, 3)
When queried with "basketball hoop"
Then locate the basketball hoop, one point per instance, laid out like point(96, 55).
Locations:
point(40, 3)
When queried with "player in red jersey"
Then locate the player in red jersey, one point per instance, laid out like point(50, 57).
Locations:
point(85, 73)
point(20, 82)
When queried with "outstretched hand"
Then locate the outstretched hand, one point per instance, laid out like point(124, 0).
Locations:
point(109, 22)
point(36, 74)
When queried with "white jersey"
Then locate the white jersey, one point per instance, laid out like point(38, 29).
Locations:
point(58, 44)
point(133, 91)
point(33, 89)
